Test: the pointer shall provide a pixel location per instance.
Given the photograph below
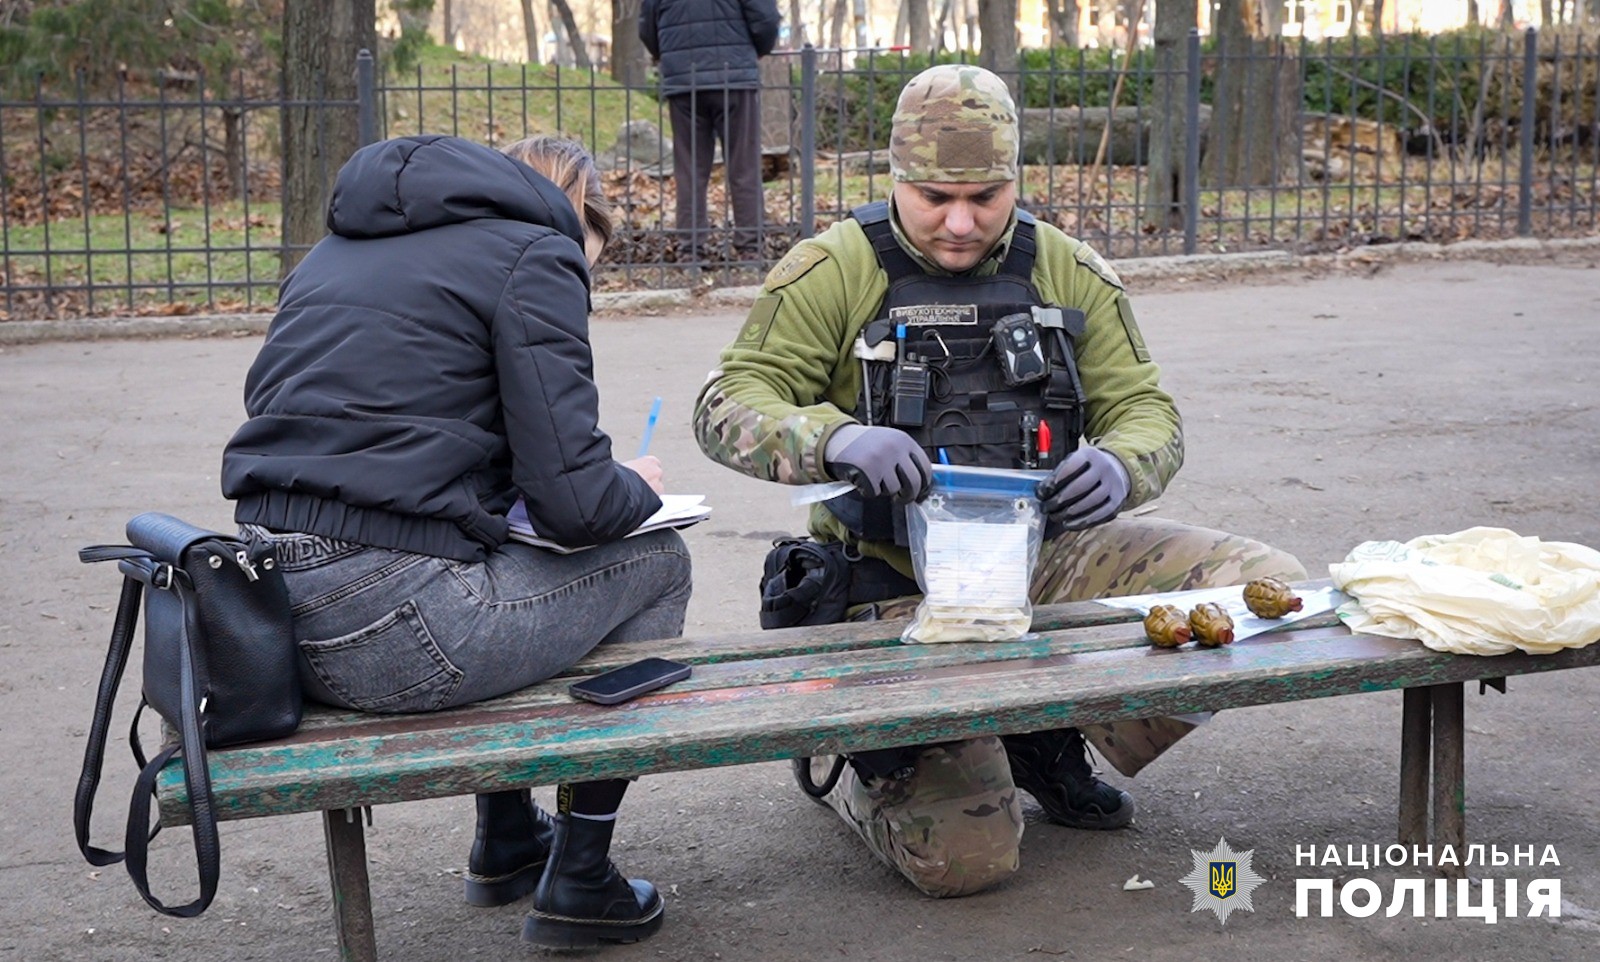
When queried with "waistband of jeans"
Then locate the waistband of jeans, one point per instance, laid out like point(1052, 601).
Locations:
point(296, 549)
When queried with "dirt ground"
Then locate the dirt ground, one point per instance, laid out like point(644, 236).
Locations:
point(1320, 413)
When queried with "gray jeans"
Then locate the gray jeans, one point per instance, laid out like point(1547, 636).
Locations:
point(390, 631)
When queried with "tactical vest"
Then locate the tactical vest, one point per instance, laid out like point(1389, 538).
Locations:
point(970, 367)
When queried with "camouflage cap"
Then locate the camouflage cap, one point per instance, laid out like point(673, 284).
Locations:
point(954, 124)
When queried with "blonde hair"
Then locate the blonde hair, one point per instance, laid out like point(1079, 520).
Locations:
point(567, 165)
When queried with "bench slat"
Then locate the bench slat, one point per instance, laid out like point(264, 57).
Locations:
point(1075, 679)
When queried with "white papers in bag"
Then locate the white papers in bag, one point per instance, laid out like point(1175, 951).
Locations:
point(978, 565)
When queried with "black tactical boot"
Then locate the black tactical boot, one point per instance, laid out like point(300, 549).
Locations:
point(509, 850)
point(1053, 767)
point(582, 900)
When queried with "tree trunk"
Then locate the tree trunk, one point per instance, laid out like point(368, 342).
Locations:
point(1377, 18)
point(918, 27)
point(1272, 14)
point(630, 62)
point(1546, 14)
point(1474, 18)
point(945, 9)
point(530, 30)
point(1174, 20)
point(858, 16)
point(1255, 126)
point(997, 27)
point(233, 152)
point(576, 41)
point(836, 35)
point(797, 26)
point(450, 26)
point(320, 42)
point(1507, 20)
point(1063, 22)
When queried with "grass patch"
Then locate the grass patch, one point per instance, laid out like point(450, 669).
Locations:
point(225, 261)
point(497, 103)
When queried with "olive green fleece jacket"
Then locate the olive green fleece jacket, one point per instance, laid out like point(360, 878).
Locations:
point(786, 382)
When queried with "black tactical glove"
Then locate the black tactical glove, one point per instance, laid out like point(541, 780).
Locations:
point(1086, 489)
point(880, 462)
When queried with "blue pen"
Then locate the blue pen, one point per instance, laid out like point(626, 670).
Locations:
point(650, 427)
point(943, 457)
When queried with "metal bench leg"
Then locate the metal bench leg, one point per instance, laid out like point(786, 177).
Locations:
point(1449, 772)
point(1416, 722)
point(352, 894)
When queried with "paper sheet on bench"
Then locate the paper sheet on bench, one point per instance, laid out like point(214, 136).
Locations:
point(1231, 599)
point(676, 511)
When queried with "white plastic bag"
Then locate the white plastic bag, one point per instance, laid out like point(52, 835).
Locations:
point(974, 544)
point(1482, 591)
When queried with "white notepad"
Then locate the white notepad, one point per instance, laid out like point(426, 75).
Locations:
point(676, 511)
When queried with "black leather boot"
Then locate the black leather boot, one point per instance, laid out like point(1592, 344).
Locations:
point(510, 848)
point(583, 900)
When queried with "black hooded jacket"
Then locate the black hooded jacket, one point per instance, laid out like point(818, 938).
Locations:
point(709, 44)
point(429, 361)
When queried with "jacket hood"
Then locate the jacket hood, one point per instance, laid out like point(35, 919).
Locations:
point(412, 184)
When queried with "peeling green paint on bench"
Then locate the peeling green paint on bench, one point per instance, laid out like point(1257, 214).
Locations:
point(738, 712)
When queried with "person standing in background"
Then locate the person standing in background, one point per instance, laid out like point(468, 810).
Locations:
point(708, 52)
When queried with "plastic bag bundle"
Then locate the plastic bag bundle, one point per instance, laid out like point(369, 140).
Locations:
point(974, 543)
point(1482, 591)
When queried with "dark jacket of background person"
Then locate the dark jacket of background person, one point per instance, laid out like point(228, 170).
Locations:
point(706, 44)
point(430, 360)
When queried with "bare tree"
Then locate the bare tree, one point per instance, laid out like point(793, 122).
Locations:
point(320, 41)
point(1377, 18)
point(1063, 22)
point(797, 26)
point(1474, 18)
point(997, 25)
point(1254, 130)
point(451, 26)
point(1508, 20)
point(630, 62)
point(919, 25)
point(576, 41)
point(1174, 20)
point(530, 30)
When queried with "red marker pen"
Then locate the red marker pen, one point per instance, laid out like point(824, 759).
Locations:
point(1044, 443)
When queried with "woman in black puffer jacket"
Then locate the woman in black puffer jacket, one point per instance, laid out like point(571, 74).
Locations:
point(428, 366)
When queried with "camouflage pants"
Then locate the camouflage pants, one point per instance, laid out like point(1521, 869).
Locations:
point(954, 827)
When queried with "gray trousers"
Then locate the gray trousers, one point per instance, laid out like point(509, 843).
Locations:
point(699, 120)
point(390, 631)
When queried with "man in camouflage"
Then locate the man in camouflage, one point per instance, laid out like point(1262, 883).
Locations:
point(776, 408)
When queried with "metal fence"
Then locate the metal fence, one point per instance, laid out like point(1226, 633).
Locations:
point(166, 196)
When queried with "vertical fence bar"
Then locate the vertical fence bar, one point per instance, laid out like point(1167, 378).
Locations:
point(808, 140)
point(205, 197)
point(5, 217)
point(1191, 141)
point(1530, 64)
point(44, 192)
point(366, 103)
point(86, 203)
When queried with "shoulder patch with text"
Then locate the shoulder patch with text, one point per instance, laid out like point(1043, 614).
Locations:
point(794, 266)
point(1090, 258)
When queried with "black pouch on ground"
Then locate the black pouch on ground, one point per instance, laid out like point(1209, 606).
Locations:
point(220, 667)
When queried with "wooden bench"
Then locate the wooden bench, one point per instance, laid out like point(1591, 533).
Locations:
point(761, 696)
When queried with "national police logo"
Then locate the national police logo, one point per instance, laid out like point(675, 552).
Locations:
point(1222, 880)
point(1223, 876)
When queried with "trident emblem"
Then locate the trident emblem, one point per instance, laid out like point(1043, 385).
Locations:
point(1222, 874)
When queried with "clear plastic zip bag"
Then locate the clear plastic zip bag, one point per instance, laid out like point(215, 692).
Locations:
point(975, 542)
